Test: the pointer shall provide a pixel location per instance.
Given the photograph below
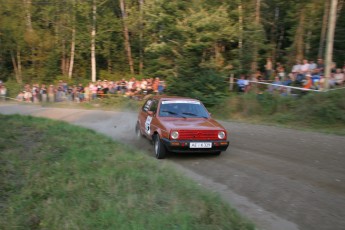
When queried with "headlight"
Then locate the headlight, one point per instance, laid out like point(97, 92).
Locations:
point(221, 135)
point(174, 135)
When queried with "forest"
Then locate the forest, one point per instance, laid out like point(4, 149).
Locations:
point(189, 43)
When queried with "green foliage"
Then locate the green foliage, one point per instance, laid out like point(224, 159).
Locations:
point(209, 34)
point(323, 108)
point(13, 88)
point(205, 85)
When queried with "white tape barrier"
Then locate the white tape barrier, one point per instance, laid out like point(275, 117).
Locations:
point(292, 87)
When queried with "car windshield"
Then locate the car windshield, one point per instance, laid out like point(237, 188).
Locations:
point(185, 109)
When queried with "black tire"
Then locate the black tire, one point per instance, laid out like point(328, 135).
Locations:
point(159, 148)
point(138, 133)
point(217, 153)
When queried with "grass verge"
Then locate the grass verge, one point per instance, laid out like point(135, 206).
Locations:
point(57, 176)
point(321, 112)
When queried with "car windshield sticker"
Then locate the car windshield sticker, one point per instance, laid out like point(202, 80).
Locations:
point(148, 124)
point(180, 102)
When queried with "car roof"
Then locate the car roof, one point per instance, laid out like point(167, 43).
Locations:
point(171, 98)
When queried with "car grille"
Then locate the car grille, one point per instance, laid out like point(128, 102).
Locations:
point(198, 134)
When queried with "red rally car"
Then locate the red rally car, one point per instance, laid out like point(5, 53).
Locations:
point(177, 124)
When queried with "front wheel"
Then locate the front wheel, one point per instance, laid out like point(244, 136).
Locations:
point(160, 150)
point(138, 131)
point(217, 153)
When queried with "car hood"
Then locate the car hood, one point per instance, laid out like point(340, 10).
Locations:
point(191, 123)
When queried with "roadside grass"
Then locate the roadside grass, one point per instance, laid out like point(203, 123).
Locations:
point(320, 112)
point(54, 175)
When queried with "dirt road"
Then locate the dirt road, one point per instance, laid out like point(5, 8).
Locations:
point(279, 178)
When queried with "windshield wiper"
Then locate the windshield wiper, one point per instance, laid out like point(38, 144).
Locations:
point(173, 113)
point(190, 114)
point(194, 115)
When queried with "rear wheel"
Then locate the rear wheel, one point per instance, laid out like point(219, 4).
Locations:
point(160, 150)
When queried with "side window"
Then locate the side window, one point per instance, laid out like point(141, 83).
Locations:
point(154, 106)
point(147, 105)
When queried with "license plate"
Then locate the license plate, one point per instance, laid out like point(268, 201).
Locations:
point(200, 145)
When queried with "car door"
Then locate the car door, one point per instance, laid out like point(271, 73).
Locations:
point(147, 115)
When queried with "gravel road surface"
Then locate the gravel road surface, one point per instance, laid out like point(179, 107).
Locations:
point(278, 178)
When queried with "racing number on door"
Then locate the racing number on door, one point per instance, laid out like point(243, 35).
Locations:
point(148, 125)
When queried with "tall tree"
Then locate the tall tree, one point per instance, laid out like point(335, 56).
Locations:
point(330, 40)
point(126, 36)
point(93, 41)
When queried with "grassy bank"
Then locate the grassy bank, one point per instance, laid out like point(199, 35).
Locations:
point(324, 112)
point(57, 176)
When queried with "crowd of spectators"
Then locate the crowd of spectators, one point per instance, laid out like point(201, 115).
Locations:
point(305, 74)
point(132, 88)
point(3, 91)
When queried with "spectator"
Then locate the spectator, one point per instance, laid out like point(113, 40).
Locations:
point(43, 93)
point(315, 78)
point(131, 85)
point(123, 86)
point(281, 72)
point(242, 84)
point(312, 66)
point(307, 83)
point(80, 90)
point(276, 85)
point(112, 88)
point(35, 93)
point(268, 68)
point(339, 77)
point(87, 93)
point(161, 86)
point(105, 87)
point(3, 91)
point(20, 96)
point(333, 67)
point(28, 96)
point(296, 69)
point(143, 86)
point(51, 93)
point(320, 65)
point(305, 67)
point(155, 85)
point(93, 90)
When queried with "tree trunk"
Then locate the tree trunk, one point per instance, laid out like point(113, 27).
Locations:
point(63, 58)
point(30, 35)
point(93, 42)
point(17, 66)
point(240, 40)
point(324, 29)
point(330, 41)
point(71, 61)
point(141, 54)
point(126, 36)
point(299, 37)
point(27, 4)
point(218, 50)
point(254, 65)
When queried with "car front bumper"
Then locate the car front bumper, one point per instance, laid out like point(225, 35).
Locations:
point(184, 146)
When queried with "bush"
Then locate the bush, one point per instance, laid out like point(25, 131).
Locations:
point(206, 85)
point(13, 88)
